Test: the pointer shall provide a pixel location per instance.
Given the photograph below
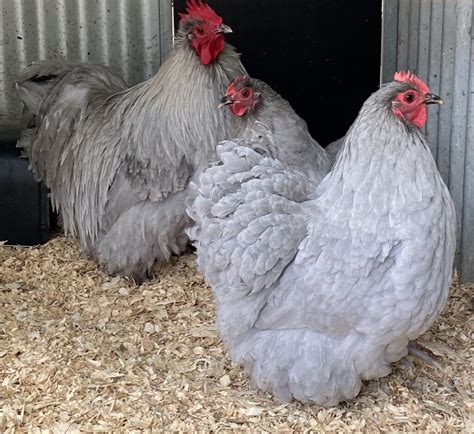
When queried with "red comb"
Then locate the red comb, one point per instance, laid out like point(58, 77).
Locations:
point(408, 77)
point(234, 83)
point(198, 10)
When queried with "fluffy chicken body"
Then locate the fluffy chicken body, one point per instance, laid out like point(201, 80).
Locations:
point(118, 161)
point(266, 121)
point(321, 287)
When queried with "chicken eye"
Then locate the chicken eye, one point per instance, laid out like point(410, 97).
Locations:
point(409, 97)
point(245, 93)
point(200, 31)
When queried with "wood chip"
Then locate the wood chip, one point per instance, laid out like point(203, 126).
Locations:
point(83, 351)
point(225, 380)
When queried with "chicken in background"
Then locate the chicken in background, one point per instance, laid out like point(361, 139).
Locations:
point(267, 122)
point(319, 288)
point(118, 161)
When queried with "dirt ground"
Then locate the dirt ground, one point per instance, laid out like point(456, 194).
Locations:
point(82, 351)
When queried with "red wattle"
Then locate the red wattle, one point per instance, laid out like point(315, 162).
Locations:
point(419, 116)
point(205, 55)
point(208, 50)
point(238, 109)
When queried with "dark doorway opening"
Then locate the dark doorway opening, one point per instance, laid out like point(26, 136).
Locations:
point(24, 207)
point(323, 56)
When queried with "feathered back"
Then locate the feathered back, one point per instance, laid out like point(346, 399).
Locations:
point(61, 115)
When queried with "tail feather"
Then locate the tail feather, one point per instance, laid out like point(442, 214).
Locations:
point(35, 82)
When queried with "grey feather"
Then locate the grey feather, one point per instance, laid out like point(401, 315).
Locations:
point(333, 148)
point(274, 126)
point(112, 156)
point(35, 82)
point(320, 287)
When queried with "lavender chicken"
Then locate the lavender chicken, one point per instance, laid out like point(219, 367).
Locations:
point(321, 287)
point(118, 160)
point(266, 121)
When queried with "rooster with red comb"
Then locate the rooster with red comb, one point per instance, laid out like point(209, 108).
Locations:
point(118, 161)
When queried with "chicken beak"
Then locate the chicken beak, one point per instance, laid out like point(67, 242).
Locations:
point(225, 100)
point(433, 99)
point(224, 29)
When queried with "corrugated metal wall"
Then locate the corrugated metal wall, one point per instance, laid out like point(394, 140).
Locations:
point(132, 36)
point(434, 38)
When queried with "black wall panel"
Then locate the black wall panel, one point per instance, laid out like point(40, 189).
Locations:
point(321, 55)
point(24, 208)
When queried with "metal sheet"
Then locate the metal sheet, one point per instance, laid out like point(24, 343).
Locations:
point(435, 40)
point(467, 258)
point(390, 39)
point(131, 36)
